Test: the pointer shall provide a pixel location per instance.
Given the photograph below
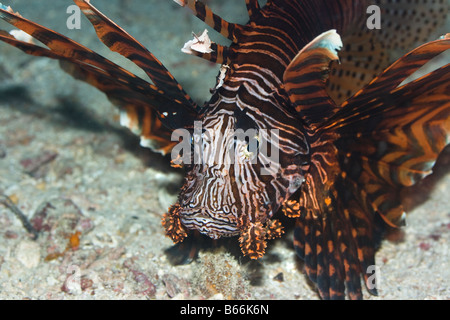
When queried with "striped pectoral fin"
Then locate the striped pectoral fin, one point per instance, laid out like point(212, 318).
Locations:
point(144, 110)
point(362, 58)
point(390, 138)
point(397, 153)
point(201, 11)
point(305, 78)
point(368, 50)
point(359, 240)
point(172, 223)
point(404, 23)
point(334, 231)
point(143, 121)
point(118, 40)
point(253, 237)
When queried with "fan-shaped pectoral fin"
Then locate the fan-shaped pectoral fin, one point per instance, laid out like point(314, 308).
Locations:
point(305, 78)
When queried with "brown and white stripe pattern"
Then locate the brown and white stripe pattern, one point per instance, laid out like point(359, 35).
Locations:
point(341, 165)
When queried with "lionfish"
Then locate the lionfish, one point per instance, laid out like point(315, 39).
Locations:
point(349, 133)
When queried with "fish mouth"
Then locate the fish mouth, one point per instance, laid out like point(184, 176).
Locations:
point(214, 225)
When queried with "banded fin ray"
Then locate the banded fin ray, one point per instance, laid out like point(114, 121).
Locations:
point(253, 8)
point(145, 109)
point(367, 52)
point(118, 40)
point(60, 44)
point(204, 13)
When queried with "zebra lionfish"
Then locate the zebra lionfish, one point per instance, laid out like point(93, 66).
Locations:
point(348, 133)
